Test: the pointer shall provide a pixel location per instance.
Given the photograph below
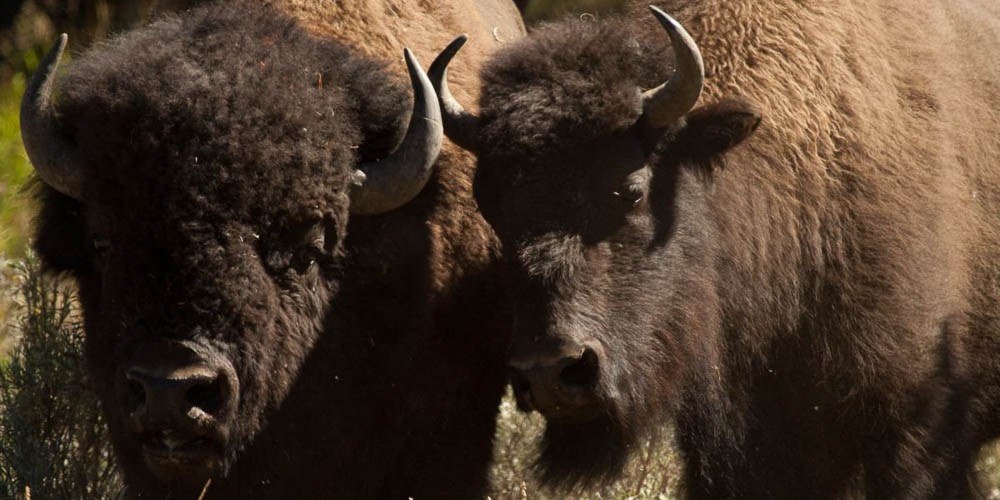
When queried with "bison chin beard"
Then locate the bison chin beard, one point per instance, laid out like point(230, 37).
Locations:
point(575, 455)
point(581, 454)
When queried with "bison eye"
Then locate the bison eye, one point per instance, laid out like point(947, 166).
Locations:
point(299, 257)
point(306, 256)
point(302, 261)
point(633, 189)
point(630, 195)
point(101, 245)
point(299, 260)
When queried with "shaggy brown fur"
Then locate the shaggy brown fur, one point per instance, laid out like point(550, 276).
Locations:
point(819, 302)
point(215, 157)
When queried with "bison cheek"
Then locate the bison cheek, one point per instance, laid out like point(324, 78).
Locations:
point(269, 362)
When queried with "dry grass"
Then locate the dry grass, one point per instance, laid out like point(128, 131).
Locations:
point(653, 474)
point(988, 471)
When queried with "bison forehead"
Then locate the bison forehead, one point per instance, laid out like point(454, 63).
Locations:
point(568, 83)
point(235, 106)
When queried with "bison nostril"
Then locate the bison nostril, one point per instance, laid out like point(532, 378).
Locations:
point(582, 373)
point(206, 395)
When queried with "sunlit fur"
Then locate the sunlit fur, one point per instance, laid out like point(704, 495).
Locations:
point(816, 303)
point(215, 139)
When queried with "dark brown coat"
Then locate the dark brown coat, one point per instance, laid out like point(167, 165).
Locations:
point(819, 302)
point(366, 352)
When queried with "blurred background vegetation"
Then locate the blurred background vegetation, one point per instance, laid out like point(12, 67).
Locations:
point(52, 437)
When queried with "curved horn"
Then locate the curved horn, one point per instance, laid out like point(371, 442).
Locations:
point(390, 183)
point(459, 125)
point(55, 158)
point(671, 100)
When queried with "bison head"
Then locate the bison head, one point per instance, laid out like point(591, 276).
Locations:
point(599, 193)
point(198, 175)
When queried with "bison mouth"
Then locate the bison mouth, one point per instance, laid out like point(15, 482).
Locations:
point(182, 462)
point(563, 392)
point(570, 405)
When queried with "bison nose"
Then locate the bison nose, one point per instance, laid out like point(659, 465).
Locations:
point(560, 384)
point(187, 392)
point(180, 398)
point(178, 386)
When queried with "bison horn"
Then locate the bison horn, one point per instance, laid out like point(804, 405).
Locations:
point(390, 183)
point(663, 105)
point(54, 156)
point(459, 125)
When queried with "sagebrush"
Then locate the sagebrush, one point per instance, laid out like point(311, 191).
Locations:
point(53, 439)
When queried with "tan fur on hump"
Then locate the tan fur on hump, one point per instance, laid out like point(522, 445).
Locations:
point(381, 29)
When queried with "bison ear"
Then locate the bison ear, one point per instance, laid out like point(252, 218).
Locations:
point(714, 129)
point(61, 239)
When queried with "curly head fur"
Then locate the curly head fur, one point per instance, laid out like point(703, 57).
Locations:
point(231, 85)
point(569, 83)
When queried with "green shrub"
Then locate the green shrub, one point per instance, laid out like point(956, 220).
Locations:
point(52, 435)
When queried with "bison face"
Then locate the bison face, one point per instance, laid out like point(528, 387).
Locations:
point(200, 197)
point(196, 331)
point(609, 254)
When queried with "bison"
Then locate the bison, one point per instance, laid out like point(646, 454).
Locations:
point(286, 287)
point(803, 271)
